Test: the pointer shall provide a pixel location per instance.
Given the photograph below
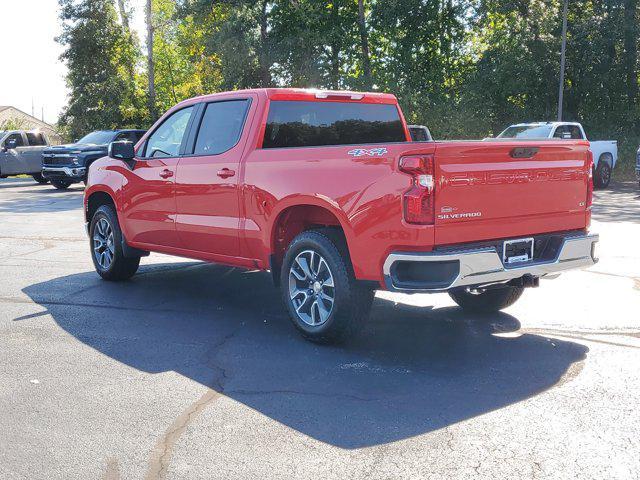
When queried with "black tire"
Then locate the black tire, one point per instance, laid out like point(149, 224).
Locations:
point(602, 174)
point(60, 183)
point(39, 178)
point(120, 267)
point(486, 301)
point(351, 299)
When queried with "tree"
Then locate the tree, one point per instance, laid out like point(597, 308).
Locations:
point(364, 45)
point(100, 91)
point(151, 75)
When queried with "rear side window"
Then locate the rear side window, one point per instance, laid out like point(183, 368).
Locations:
point(221, 127)
point(35, 139)
point(310, 124)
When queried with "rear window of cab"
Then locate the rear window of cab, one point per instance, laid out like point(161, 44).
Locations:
point(312, 124)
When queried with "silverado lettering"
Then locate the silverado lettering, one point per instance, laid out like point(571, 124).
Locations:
point(498, 178)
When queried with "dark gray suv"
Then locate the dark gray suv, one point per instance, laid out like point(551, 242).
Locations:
point(66, 164)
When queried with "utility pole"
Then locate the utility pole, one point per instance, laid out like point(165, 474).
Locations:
point(562, 58)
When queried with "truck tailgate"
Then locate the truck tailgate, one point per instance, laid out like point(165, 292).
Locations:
point(490, 190)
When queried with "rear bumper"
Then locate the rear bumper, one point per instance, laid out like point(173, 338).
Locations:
point(74, 173)
point(438, 271)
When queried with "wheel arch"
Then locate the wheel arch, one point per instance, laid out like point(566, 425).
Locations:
point(95, 200)
point(295, 217)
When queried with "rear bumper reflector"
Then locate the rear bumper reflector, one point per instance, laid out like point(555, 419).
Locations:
point(438, 271)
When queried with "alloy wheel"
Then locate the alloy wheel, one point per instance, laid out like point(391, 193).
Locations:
point(605, 174)
point(103, 247)
point(311, 288)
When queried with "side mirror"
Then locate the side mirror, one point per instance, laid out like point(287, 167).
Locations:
point(121, 150)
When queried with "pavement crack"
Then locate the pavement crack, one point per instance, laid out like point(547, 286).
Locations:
point(161, 455)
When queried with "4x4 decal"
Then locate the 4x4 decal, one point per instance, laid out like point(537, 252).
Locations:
point(371, 152)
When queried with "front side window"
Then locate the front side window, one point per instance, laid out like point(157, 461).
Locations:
point(15, 139)
point(166, 140)
point(221, 127)
point(308, 124)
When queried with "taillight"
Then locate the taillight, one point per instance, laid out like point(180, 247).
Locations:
point(419, 200)
point(589, 180)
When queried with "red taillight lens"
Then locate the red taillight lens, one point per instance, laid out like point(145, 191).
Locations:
point(589, 180)
point(419, 200)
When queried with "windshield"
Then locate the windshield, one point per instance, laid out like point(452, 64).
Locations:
point(527, 131)
point(97, 138)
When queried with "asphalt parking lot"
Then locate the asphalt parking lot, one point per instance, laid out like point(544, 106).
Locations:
point(193, 371)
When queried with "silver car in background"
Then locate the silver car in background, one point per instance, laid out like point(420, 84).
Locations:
point(21, 153)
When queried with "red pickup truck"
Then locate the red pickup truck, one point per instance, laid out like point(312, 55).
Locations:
point(327, 191)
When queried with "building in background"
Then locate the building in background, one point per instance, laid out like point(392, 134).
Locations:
point(13, 119)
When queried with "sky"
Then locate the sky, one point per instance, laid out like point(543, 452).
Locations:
point(31, 72)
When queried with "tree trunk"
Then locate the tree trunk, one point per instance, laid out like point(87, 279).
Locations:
point(364, 45)
point(123, 15)
point(265, 74)
point(131, 69)
point(631, 49)
point(335, 46)
point(150, 63)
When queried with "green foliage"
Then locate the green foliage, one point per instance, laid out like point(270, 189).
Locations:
point(98, 53)
point(13, 124)
point(465, 68)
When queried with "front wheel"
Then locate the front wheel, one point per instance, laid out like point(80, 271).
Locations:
point(602, 174)
point(60, 184)
point(486, 300)
point(324, 300)
point(39, 178)
point(106, 246)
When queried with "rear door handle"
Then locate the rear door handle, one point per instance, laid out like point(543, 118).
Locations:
point(226, 173)
point(166, 173)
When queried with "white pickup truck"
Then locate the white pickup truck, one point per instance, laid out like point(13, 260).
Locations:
point(605, 152)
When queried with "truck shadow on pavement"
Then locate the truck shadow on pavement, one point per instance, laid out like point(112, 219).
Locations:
point(411, 371)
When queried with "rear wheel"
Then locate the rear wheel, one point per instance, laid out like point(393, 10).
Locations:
point(39, 178)
point(324, 300)
point(106, 246)
point(486, 300)
point(60, 183)
point(602, 175)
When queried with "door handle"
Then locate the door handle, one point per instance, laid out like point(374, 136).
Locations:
point(226, 173)
point(166, 173)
